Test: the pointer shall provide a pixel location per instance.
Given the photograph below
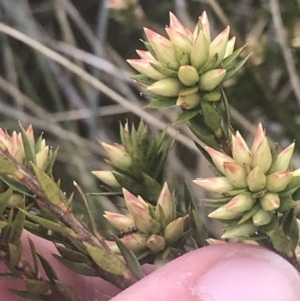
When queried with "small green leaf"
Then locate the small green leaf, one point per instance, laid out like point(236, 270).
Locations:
point(211, 116)
point(15, 254)
point(16, 229)
point(28, 147)
point(186, 115)
point(34, 257)
point(37, 287)
point(72, 255)
point(130, 259)
point(107, 261)
point(231, 72)
point(143, 79)
point(25, 295)
point(16, 185)
point(200, 233)
point(78, 267)
point(286, 204)
point(50, 188)
point(51, 160)
point(56, 227)
point(249, 214)
point(229, 59)
point(212, 96)
point(227, 112)
point(9, 276)
point(281, 242)
point(4, 199)
point(161, 102)
point(66, 291)
point(7, 166)
point(291, 187)
point(51, 274)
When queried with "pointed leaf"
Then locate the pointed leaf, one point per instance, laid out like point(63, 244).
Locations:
point(15, 254)
point(107, 261)
point(78, 267)
point(72, 255)
point(16, 185)
point(229, 59)
point(161, 102)
point(130, 259)
point(34, 257)
point(186, 115)
point(231, 72)
point(37, 287)
point(200, 233)
point(143, 79)
point(52, 191)
point(66, 291)
point(7, 166)
point(4, 199)
point(51, 274)
point(28, 147)
point(16, 229)
point(27, 295)
point(51, 160)
point(56, 227)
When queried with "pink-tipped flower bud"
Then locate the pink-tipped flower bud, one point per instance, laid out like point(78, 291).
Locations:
point(166, 55)
point(199, 51)
point(278, 181)
point(136, 242)
point(235, 174)
point(42, 158)
point(176, 25)
point(188, 75)
point(283, 159)
point(166, 87)
point(175, 229)
point(219, 158)
point(166, 203)
point(262, 217)
point(262, 157)
point(117, 155)
point(240, 151)
point(256, 179)
point(107, 177)
point(217, 47)
point(211, 79)
point(179, 39)
point(156, 243)
point(132, 199)
point(224, 214)
point(270, 201)
point(240, 203)
point(258, 138)
point(216, 184)
point(144, 67)
point(205, 26)
point(242, 230)
point(119, 221)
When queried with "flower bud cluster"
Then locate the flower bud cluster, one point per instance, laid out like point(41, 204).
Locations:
point(148, 228)
point(186, 65)
point(15, 145)
point(256, 185)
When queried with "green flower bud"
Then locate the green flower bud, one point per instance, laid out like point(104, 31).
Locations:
point(217, 184)
point(188, 75)
point(136, 242)
point(242, 230)
point(166, 87)
point(235, 174)
point(175, 229)
point(240, 151)
point(107, 177)
point(166, 55)
point(199, 51)
point(179, 39)
point(256, 179)
point(42, 158)
point(156, 243)
point(262, 217)
point(224, 214)
point(278, 181)
point(188, 102)
point(229, 47)
point(270, 201)
point(283, 159)
point(258, 138)
point(205, 26)
point(262, 157)
point(166, 203)
point(240, 203)
point(117, 155)
point(211, 79)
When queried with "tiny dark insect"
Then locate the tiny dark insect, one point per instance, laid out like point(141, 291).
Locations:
point(130, 231)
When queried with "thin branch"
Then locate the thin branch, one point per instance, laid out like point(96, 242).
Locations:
point(286, 51)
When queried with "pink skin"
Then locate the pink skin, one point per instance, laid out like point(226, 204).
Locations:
point(223, 272)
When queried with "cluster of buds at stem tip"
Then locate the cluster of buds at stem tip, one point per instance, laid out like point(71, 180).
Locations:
point(188, 64)
point(148, 228)
point(15, 145)
point(256, 185)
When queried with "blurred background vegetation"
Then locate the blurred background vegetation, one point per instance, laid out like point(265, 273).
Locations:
point(98, 36)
